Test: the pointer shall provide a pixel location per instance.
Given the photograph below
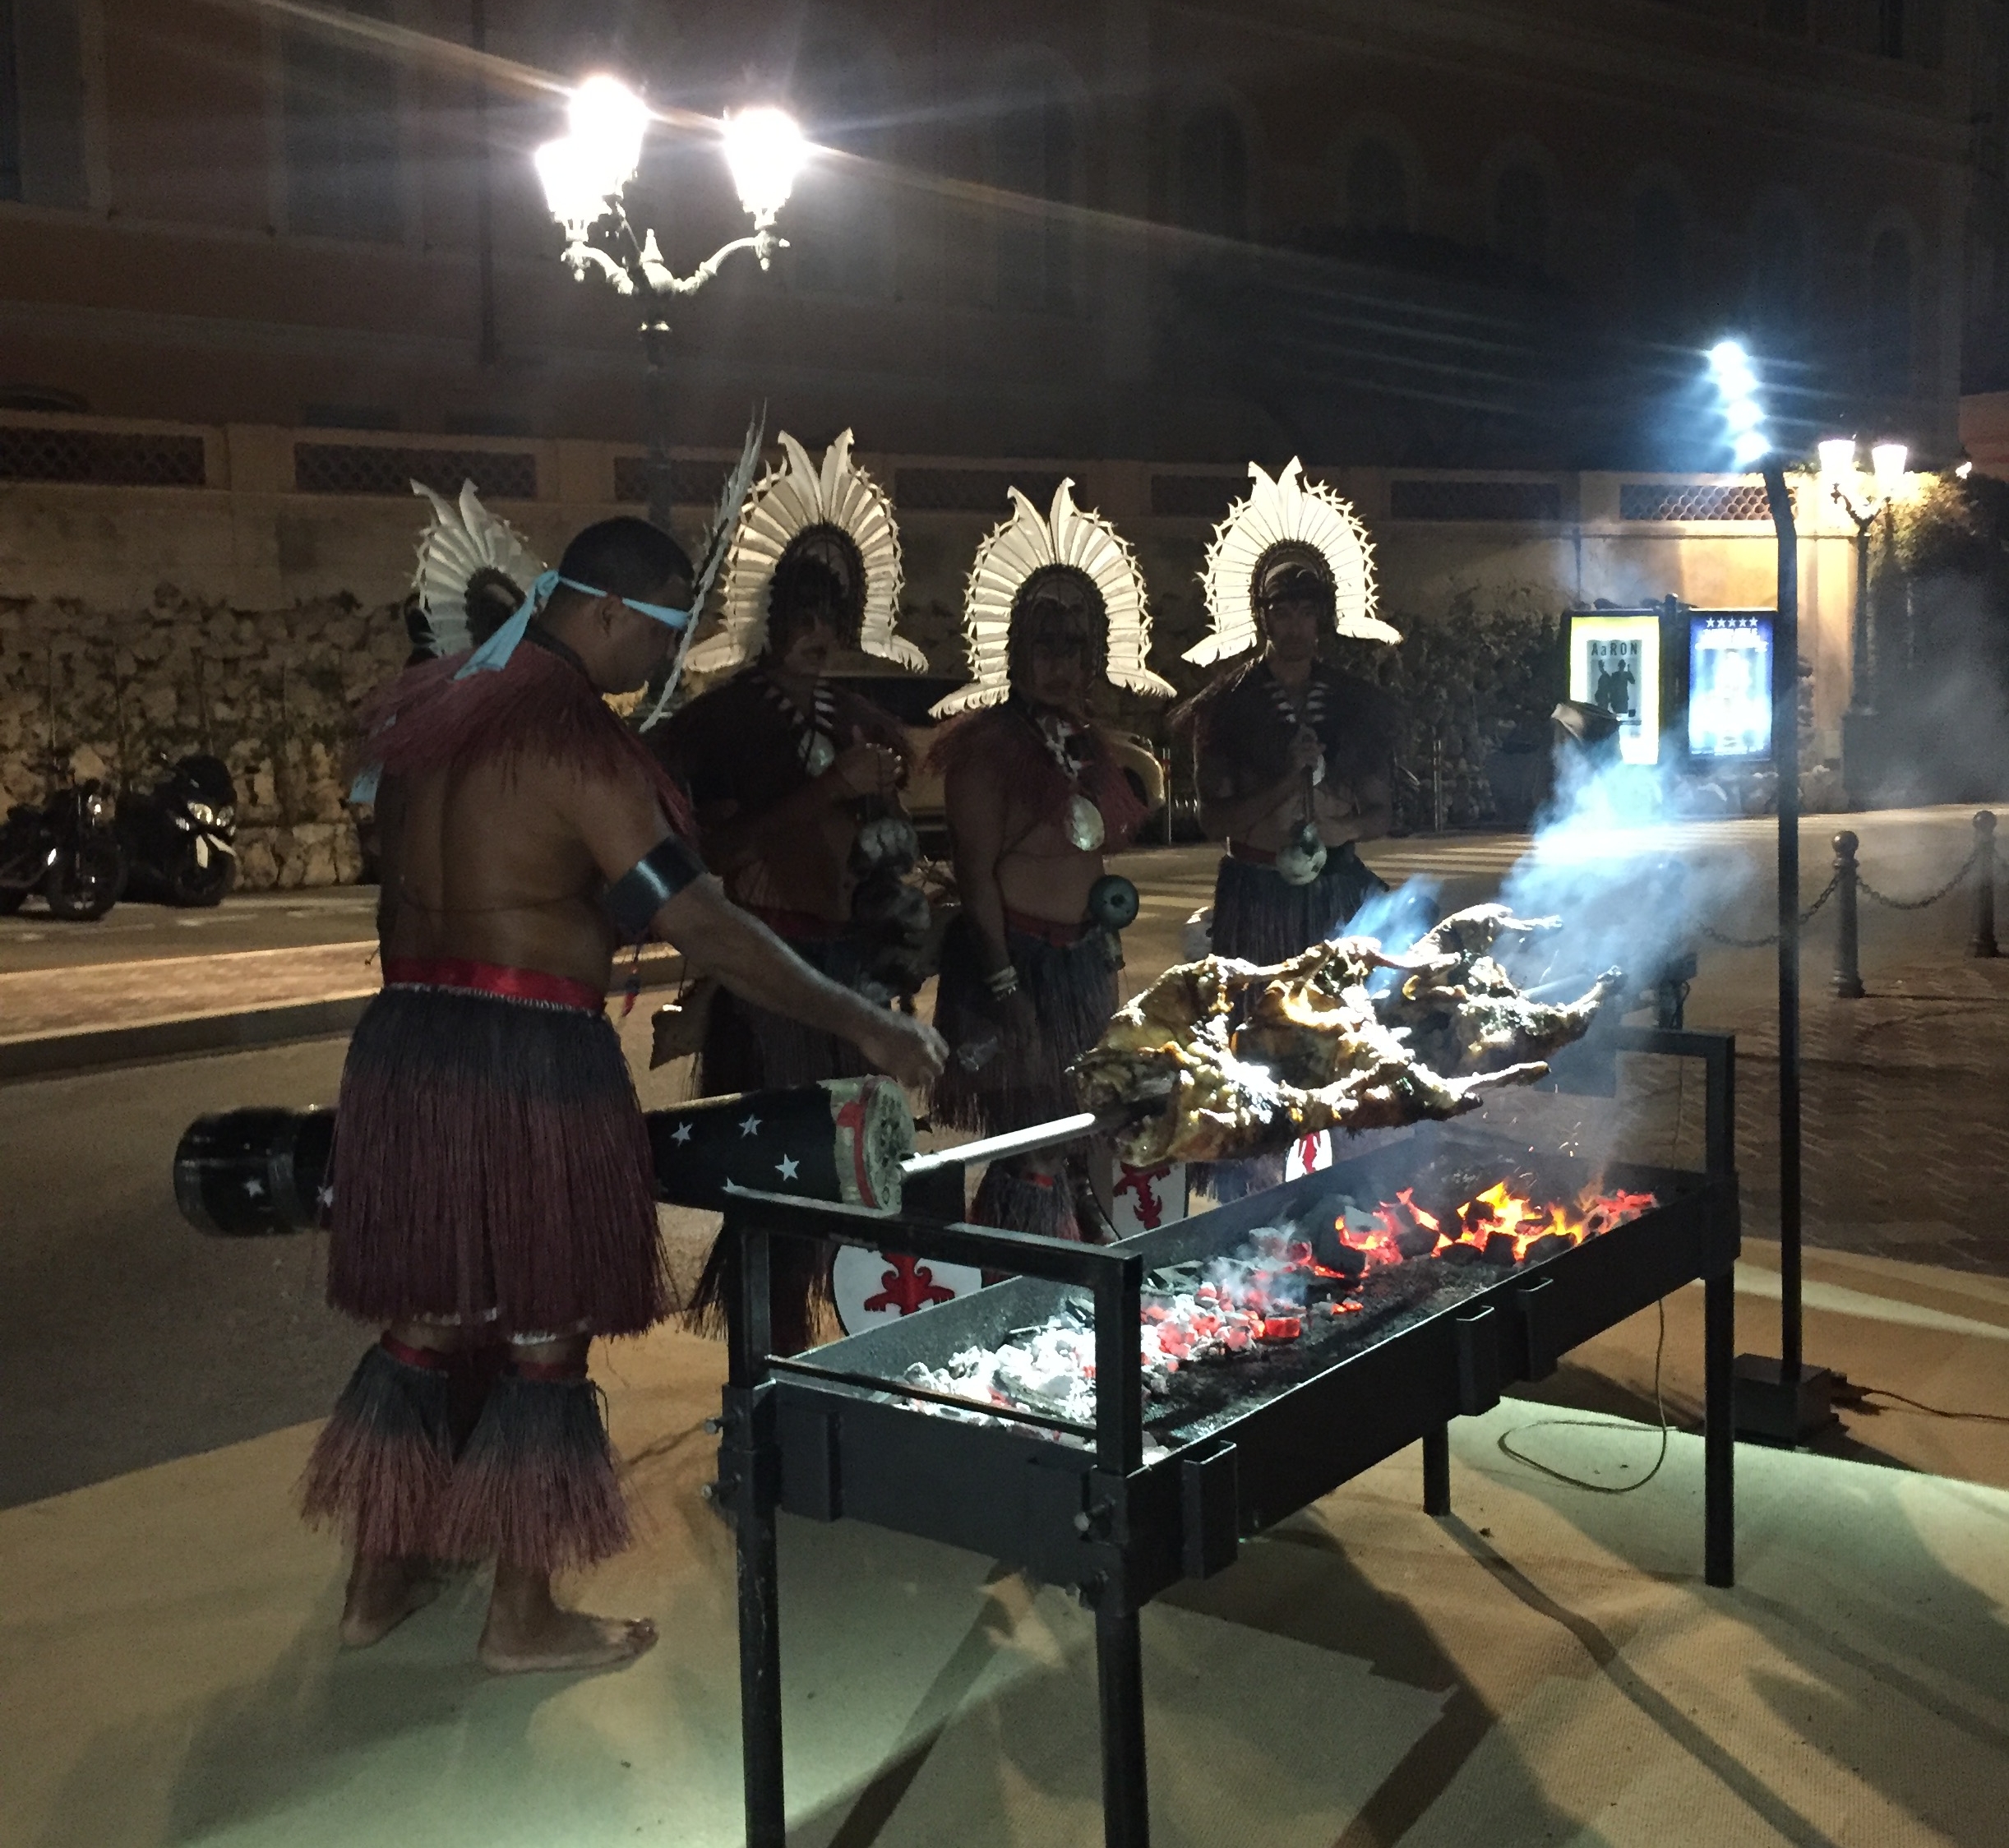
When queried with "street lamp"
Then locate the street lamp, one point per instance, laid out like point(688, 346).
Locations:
point(1783, 1400)
point(1863, 498)
point(584, 173)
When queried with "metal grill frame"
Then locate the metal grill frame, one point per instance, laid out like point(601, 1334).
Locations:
point(814, 1437)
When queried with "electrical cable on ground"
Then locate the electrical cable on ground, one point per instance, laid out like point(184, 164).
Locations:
point(1506, 1449)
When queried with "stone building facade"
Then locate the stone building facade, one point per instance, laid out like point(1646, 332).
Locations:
point(256, 271)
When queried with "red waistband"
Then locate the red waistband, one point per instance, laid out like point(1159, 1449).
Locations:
point(1251, 856)
point(492, 978)
point(1061, 937)
point(799, 925)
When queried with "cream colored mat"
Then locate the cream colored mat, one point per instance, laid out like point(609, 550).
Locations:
point(1545, 1668)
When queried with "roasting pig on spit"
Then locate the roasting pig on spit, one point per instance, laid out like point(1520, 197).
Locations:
point(1243, 1059)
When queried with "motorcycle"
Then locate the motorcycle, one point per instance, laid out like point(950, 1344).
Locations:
point(180, 836)
point(67, 850)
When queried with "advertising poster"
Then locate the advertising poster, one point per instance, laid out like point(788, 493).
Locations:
point(1614, 661)
point(1729, 687)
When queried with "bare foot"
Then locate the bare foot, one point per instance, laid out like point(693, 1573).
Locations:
point(562, 1639)
point(382, 1593)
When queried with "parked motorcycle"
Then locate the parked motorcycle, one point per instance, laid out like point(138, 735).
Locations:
point(67, 850)
point(180, 837)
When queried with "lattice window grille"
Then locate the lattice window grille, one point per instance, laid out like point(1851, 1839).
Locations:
point(971, 490)
point(104, 458)
point(1670, 501)
point(694, 481)
point(1524, 500)
point(391, 469)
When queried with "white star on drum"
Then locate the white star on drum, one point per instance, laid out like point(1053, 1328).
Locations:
point(786, 1167)
point(681, 1133)
point(750, 1126)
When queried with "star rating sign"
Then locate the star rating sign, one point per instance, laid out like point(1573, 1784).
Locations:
point(786, 1167)
point(750, 1127)
point(681, 1133)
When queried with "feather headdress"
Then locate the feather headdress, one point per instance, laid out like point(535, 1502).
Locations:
point(1287, 514)
point(1030, 542)
point(797, 499)
point(466, 551)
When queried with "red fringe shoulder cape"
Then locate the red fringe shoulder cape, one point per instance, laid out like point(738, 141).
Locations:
point(1006, 734)
point(539, 708)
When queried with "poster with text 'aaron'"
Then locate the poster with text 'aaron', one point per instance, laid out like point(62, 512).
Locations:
point(1614, 661)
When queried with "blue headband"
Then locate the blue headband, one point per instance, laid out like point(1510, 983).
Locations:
point(495, 652)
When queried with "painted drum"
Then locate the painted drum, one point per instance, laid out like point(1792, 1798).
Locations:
point(249, 1173)
point(252, 1173)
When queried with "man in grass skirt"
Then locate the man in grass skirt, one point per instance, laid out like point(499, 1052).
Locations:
point(1290, 757)
point(492, 1199)
point(796, 783)
point(1054, 612)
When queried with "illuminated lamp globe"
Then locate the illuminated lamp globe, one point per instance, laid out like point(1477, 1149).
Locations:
point(764, 149)
point(572, 185)
point(607, 121)
point(1837, 456)
point(1886, 462)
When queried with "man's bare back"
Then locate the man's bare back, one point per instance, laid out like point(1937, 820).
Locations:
point(490, 865)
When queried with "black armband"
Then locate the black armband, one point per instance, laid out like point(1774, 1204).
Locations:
point(633, 900)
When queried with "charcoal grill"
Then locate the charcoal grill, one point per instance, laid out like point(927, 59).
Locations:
point(1146, 1495)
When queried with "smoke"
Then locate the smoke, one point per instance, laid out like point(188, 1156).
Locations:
point(1631, 891)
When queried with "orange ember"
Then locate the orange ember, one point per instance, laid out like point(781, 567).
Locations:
point(1496, 1221)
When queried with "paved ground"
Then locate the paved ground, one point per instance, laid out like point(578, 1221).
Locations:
point(131, 1340)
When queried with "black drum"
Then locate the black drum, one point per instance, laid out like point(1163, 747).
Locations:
point(246, 1173)
point(250, 1172)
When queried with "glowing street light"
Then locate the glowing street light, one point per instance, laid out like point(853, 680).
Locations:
point(1864, 499)
point(1783, 1399)
point(1886, 462)
point(1736, 385)
point(586, 171)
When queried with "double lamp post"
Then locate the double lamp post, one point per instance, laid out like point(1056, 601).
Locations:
point(586, 170)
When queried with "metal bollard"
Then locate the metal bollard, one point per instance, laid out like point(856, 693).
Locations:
point(1848, 941)
point(1984, 943)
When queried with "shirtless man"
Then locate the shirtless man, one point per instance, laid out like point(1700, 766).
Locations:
point(1283, 741)
point(492, 1193)
point(1028, 980)
point(786, 770)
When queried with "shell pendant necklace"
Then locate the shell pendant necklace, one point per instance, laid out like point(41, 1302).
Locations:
point(1084, 826)
point(816, 744)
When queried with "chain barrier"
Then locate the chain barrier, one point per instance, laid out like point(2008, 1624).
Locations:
point(1766, 942)
point(1967, 866)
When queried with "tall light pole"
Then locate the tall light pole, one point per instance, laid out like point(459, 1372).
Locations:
point(1783, 1401)
point(584, 173)
point(1864, 500)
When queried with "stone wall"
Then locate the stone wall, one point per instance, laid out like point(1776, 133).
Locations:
point(120, 692)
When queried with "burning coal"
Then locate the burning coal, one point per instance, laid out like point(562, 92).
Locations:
point(1273, 1292)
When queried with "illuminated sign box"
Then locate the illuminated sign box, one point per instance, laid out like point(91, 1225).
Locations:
point(1730, 686)
point(1615, 663)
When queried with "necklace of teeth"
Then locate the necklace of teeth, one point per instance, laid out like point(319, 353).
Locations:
point(1085, 828)
point(817, 743)
point(1308, 717)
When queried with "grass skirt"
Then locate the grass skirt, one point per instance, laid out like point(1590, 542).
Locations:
point(490, 1165)
point(1260, 918)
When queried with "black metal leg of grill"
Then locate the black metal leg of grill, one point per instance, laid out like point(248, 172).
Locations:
point(1120, 1677)
point(1719, 1431)
point(1437, 1470)
point(767, 1815)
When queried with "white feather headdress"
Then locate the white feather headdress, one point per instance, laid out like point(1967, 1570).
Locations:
point(1029, 542)
point(787, 502)
point(466, 543)
point(1286, 511)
